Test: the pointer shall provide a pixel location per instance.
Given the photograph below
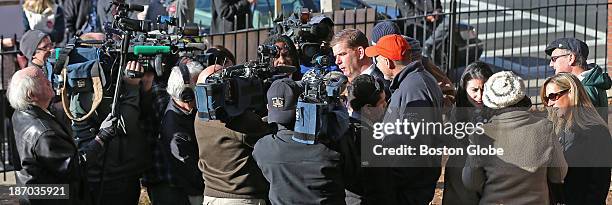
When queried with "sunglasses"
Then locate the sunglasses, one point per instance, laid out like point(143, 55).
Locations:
point(555, 96)
point(554, 58)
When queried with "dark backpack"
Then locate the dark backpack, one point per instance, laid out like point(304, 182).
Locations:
point(81, 78)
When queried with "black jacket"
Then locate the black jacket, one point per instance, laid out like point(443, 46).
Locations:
point(180, 148)
point(224, 12)
point(300, 173)
point(127, 155)
point(588, 154)
point(48, 155)
point(363, 185)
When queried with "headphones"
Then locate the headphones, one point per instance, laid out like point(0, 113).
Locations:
point(187, 95)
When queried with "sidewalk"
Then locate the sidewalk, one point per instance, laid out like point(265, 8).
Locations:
point(5, 199)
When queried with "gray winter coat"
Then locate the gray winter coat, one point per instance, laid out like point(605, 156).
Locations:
point(532, 157)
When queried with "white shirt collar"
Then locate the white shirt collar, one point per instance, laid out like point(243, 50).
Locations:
point(369, 70)
point(584, 74)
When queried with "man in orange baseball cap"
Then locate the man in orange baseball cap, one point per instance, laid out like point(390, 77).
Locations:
point(390, 51)
point(414, 91)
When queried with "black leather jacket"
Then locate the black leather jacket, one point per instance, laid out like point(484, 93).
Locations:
point(48, 155)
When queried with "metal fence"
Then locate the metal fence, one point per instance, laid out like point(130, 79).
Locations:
point(8, 66)
point(511, 34)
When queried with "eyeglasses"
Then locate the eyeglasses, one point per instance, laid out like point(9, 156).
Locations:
point(555, 96)
point(554, 58)
point(46, 47)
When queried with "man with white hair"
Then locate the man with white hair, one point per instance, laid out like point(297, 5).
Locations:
point(47, 152)
point(182, 183)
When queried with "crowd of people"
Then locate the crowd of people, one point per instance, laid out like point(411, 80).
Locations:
point(562, 154)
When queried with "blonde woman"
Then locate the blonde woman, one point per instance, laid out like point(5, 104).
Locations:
point(585, 138)
point(46, 16)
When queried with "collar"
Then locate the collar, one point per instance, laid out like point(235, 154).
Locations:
point(413, 66)
point(369, 70)
point(40, 113)
point(584, 74)
point(175, 108)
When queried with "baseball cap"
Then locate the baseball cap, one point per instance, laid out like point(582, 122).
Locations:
point(390, 46)
point(572, 44)
point(282, 100)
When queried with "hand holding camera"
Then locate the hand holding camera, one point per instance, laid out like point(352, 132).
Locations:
point(133, 73)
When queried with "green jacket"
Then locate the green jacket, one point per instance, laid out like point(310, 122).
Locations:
point(596, 83)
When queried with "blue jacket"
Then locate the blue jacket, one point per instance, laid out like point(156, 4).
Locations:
point(414, 90)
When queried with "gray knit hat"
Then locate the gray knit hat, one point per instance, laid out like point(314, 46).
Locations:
point(382, 29)
point(29, 42)
point(415, 46)
point(502, 90)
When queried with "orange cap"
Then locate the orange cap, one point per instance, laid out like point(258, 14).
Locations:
point(390, 46)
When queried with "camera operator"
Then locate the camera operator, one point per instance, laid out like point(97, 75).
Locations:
point(126, 157)
point(287, 54)
point(182, 182)
point(221, 56)
point(225, 147)
point(47, 152)
point(298, 171)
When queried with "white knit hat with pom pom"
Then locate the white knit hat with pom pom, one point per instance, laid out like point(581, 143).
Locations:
point(503, 89)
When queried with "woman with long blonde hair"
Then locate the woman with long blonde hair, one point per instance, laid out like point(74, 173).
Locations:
point(46, 16)
point(584, 135)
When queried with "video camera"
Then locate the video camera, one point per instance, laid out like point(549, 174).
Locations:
point(233, 90)
point(310, 35)
point(318, 105)
point(156, 45)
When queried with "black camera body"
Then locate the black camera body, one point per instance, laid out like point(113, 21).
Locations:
point(317, 107)
point(310, 35)
point(158, 51)
point(233, 90)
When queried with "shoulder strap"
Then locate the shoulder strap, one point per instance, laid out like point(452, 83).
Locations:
point(63, 57)
point(97, 98)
